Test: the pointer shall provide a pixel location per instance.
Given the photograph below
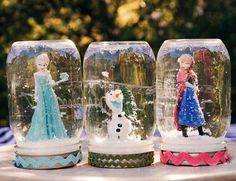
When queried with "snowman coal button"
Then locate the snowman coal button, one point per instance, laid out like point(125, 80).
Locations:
point(119, 125)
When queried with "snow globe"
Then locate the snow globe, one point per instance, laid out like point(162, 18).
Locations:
point(193, 87)
point(119, 93)
point(45, 103)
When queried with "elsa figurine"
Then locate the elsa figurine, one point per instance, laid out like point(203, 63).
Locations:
point(46, 122)
point(188, 112)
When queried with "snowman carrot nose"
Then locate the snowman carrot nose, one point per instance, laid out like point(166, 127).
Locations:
point(117, 94)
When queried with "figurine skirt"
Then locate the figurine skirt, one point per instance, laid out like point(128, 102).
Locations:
point(189, 110)
point(46, 121)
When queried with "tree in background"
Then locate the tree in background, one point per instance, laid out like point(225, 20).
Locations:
point(86, 21)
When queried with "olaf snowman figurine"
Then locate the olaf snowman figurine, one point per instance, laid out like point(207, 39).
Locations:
point(119, 127)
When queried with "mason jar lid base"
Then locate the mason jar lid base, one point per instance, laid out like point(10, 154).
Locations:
point(121, 147)
point(48, 147)
point(120, 160)
point(194, 159)
point(194, 144)
point(48, 161)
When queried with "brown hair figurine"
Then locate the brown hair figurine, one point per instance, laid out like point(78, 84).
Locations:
point(187, 111)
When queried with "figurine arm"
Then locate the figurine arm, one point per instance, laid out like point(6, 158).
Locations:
point(181, 79)
point(64, 77)
point(58, 82)
point(35, 89)
point(51, 81)
point(194, 76)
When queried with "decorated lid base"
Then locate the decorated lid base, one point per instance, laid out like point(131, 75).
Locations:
point(120, 161)
point(194, 159)
point(193, 151)
point(48, 154)
point(48, 162)
point(128, 153)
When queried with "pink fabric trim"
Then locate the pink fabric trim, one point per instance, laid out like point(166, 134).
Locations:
point(201, 158)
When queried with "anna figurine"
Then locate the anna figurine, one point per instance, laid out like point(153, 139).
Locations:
point(187, 112)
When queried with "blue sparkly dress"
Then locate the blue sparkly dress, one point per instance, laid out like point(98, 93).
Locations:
point(46, 122)
point(190, 113)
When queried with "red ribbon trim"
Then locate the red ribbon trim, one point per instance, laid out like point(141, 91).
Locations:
point(201, 158)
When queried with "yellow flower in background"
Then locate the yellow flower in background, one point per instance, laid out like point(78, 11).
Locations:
point(37, 30)
point(128, 13)
point(85, 40)
point(64, 11)
point(56, 23)
point(8, 3)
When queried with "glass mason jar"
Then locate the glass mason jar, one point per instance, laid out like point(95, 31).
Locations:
point(119, 93)
point(45, 103)
point(193, 85)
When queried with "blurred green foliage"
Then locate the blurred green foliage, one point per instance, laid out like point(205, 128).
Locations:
point(97, 20)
